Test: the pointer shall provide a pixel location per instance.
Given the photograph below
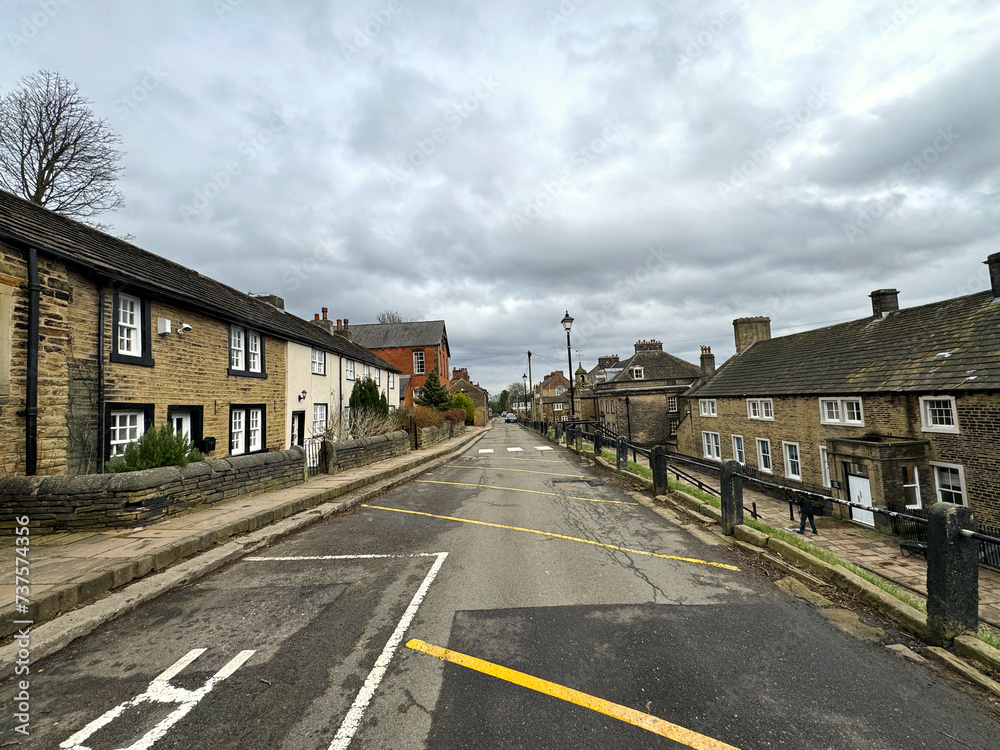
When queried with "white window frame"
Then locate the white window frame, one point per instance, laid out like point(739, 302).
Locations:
point(349, 369)
point(317, 362)
point(711, 445)
point(255, 431)
point(132, 431)
point(761, 454)
point(824, 465)
point(419, 363)
point(938, 489)
point(367, 371)
point(237, 432)
point(672, 425)
point(638, 373)
point(843, 408)
point(254, 357)
point(392, 381)
point(130, 343)
point(378, 377)
point(319, 422)
point(916, 487)
point(793, 460)
point(237, 348)
point(760, 408)
point(671, 403)
point(739, 450)
point(708, 407)
point(557, 407)
point(927, 425)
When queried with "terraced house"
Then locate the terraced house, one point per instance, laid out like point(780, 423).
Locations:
point(899, 409)
point(102, 340)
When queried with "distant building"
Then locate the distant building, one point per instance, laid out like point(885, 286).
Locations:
point(641, 397)
point(898, 409)
point(460, 383)
point(416, 348)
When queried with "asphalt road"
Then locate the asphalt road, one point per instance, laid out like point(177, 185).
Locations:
point(573, 616)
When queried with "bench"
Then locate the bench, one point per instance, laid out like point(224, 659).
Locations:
point(911, 547)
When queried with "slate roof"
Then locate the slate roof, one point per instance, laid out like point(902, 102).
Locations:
point(657, 365)
point(949, 346)
point(111, 258)
point(401, 335)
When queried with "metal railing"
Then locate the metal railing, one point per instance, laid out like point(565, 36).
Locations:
point(315, 456)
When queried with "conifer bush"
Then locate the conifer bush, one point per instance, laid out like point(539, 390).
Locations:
point(159, 446)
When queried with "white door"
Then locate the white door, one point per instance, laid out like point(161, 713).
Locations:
point(861, 493)
point(181, 422)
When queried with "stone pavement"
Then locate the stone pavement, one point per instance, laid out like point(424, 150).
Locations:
point(868, 549)
point(69, 569)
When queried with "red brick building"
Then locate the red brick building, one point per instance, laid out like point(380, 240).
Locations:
point(416, 348)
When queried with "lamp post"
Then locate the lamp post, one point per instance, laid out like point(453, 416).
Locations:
point(567, 323)
point(524, 379)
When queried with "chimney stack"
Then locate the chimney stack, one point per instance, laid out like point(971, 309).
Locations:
point(993, 261)
point(750, 330)
point(271, 299)
point(344, 331)
point(707, 361)
point(607, 361)
point(648, 346)
point(884, 301)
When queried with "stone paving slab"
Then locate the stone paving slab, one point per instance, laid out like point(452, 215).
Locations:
point(69, 569)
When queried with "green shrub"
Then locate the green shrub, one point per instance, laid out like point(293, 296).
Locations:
point(463, 401)
point(160, 446)
point(424, 416)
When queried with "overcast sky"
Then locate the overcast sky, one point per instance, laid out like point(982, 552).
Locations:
point(656, 168)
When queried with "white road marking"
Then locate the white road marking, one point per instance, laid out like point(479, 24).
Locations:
point(340, 557)
point(353, 719)
point(543, 447)
point(161, 691)
point(515, 450)
point(485, 450)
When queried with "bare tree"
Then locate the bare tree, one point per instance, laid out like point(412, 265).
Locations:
point(54, 152)
point(392, 316)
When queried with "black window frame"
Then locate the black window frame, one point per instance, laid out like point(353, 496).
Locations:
point(148, 410)
point(245, 372)
point(263, 428)
point(145, 357)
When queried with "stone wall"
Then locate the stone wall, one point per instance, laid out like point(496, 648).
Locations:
point(428, 436)
point(368, 450)
point(69, 503)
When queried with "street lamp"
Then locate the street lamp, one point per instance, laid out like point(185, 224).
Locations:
point(567, 323)
point(524, 379)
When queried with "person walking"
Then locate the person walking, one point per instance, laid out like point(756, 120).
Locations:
point(806, 510)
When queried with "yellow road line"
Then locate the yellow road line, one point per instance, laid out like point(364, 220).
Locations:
point(523, 471)
point(639, 719)
point(517, 489)
point(552, 534)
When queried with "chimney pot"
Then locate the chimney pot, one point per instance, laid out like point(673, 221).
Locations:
point(993, 261)
point(340, 324)
point(325, 310)
point(316, 316)
point(884, 301)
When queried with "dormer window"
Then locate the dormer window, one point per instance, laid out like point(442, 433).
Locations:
point(637, 373)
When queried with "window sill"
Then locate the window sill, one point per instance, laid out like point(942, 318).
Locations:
point(942, 430)
point(145, 360)
point(246, 374)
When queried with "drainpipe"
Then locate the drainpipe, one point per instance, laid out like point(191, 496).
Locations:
point(100, 377)
point(31, 388)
